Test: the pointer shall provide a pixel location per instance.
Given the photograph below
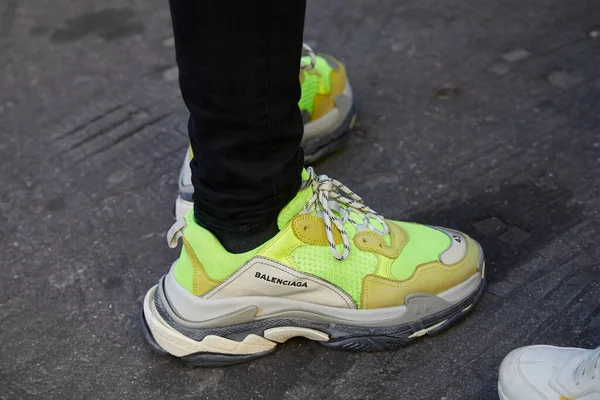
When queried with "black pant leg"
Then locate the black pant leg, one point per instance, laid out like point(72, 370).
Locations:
point(239, 64)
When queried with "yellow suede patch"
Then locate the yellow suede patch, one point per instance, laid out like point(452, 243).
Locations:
point(312, 230)
point(322, 105)
point(325, 102)
point(374, 243)
point(338, 81)
point(202, 282)
point(432, 278)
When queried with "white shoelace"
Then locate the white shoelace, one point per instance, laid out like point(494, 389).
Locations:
point(313, 58)
point(590, 367)
point(329, 195)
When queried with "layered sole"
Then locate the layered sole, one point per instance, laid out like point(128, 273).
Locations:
point(240, 342)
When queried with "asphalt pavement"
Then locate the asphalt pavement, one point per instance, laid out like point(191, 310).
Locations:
point(478, 115)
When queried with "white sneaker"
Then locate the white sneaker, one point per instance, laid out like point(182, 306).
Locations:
point(550, 373)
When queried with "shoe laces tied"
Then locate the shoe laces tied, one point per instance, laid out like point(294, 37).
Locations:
point(589, 367)
point(330, 195)
point(313, 58)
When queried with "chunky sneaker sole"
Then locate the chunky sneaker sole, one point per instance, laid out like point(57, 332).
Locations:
point(246, 328)
point(321, 138)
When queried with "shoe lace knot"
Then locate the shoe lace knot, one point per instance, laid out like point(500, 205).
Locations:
point(589, 367)
point(330, 197)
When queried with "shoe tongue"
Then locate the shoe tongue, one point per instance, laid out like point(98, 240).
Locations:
point(296, 205)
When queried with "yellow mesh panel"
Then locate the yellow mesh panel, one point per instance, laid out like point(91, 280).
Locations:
point(348, 275)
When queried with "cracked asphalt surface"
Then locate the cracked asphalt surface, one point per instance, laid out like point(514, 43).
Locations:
point(481, 116)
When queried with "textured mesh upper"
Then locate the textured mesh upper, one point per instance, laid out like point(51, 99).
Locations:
point(348, 275)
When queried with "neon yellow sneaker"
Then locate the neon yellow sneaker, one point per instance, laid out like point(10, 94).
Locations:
point(327, 108)
point(337, 272)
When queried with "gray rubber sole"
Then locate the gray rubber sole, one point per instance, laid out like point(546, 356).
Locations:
point(343, 337)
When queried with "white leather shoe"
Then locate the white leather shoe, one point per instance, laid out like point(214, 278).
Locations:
point(550, 373)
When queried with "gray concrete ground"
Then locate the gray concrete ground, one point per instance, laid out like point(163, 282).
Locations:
point(479, 115)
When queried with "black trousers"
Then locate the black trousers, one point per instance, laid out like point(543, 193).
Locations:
point(238, 72)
